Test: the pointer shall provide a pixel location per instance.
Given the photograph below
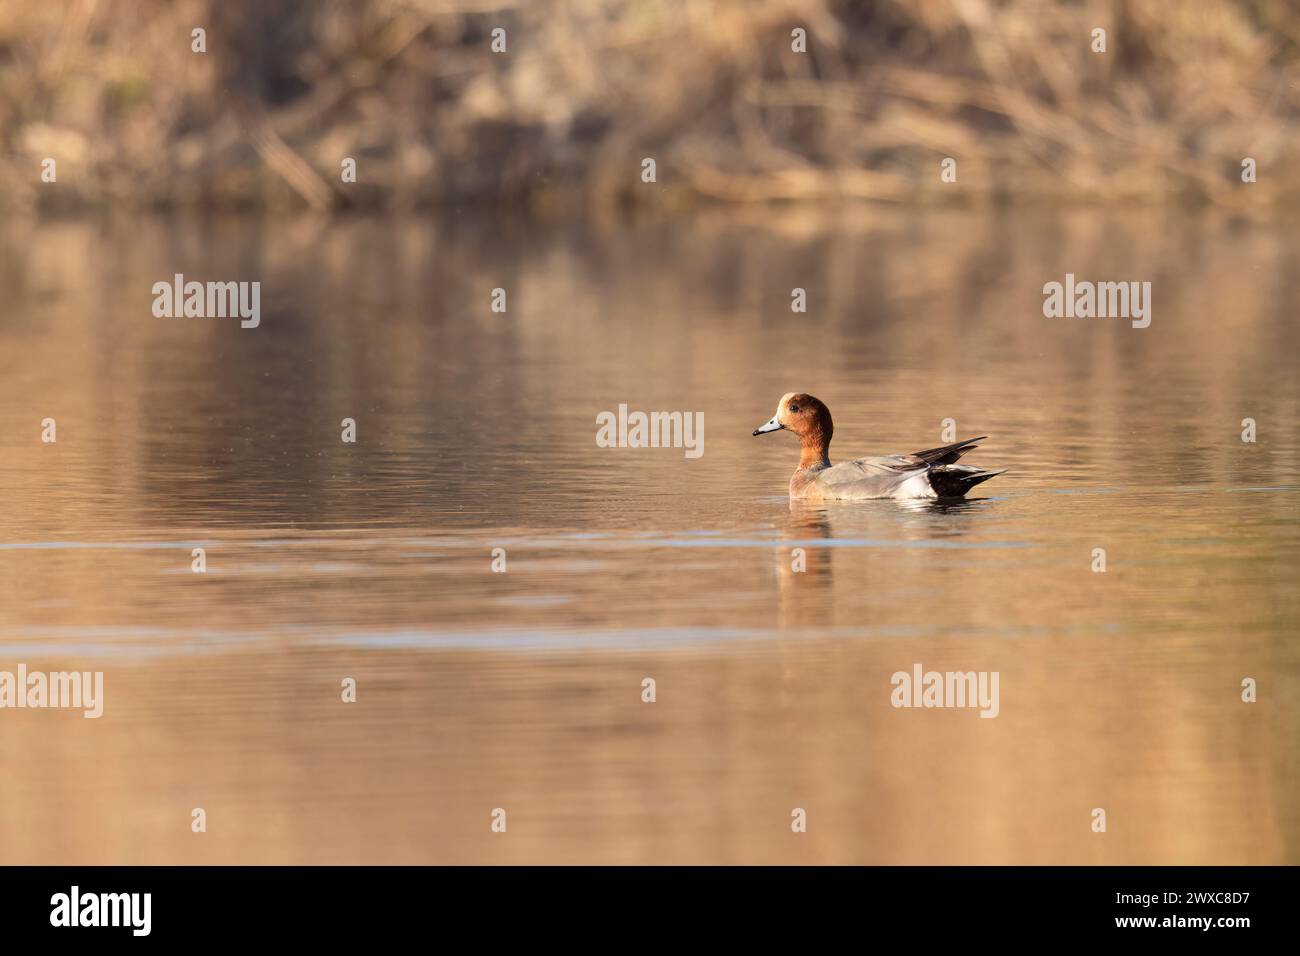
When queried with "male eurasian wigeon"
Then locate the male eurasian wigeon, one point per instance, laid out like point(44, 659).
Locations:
point(922, 474)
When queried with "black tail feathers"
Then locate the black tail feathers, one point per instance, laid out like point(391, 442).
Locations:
point(954, 481)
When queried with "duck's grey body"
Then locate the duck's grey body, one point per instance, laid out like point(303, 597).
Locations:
point(924, 474)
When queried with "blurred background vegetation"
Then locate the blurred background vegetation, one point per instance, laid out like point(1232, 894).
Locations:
point(710, 88)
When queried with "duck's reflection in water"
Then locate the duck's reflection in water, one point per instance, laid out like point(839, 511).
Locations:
point(938, 519)
point(805, 568)
point(941, 506)
point(805, 563)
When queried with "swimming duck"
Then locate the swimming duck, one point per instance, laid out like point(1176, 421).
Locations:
point(923, 474)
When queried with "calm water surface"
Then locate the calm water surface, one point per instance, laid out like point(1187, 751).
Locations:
point(522, 690)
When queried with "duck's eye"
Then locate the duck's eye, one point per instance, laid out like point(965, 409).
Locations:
point(794, 409)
